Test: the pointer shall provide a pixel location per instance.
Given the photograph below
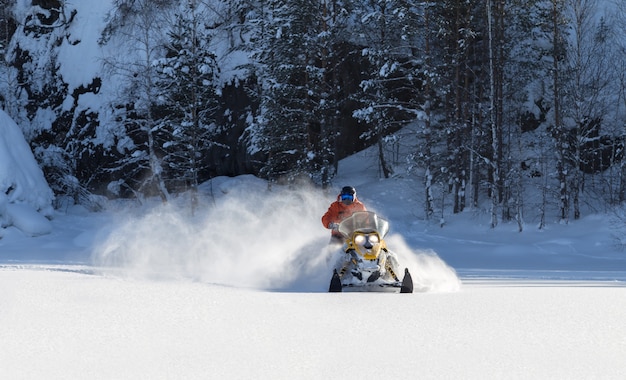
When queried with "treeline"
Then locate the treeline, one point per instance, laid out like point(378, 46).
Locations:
point(518, 102)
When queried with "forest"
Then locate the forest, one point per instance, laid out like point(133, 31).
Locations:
point(514, 104)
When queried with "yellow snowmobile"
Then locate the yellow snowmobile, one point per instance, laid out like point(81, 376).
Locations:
point(365, 261)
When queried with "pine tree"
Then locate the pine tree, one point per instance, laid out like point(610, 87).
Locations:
point(333, 51)
point(522, 71)
point(392, 89)
point(187, 100)
point(425, 27)
point(464, 80)
point(294, 106)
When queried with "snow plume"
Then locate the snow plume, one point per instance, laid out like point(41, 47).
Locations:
point(250, 237)
point(429, 272)
point(255, 238)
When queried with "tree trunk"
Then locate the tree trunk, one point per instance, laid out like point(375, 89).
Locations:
point(495, 145)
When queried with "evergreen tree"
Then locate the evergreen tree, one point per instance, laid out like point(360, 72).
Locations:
point(333, 52)
point(522, 107)
point(464, 60)
point(392, 90)
point(294, 109)
point(425, 27)
point(186, 99)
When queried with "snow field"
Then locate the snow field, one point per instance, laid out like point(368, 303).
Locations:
point(59, 323)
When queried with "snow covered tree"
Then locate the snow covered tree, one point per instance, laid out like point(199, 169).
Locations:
point(521, 90)
point(495, 41)
point(187, 99)
point(136, 28)
point(510, 53)
point(590, 94)
point(297, 104)
point(620, 52)
point(391, 91)
point(430, 84)
point(463, 73)
point(333, 54)
point(558, 52)
point(8, 79)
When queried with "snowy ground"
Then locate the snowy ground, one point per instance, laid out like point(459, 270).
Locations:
point(63, 323)
point(238, 291)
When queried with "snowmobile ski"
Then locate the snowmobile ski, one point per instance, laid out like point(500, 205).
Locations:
point(407, 282)
point(335, 283)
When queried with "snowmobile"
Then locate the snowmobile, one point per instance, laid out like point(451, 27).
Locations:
point(365, 263)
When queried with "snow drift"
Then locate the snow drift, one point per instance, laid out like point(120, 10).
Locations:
point(25, 197)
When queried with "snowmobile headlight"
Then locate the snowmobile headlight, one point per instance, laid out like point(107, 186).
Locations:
point(362, 239)
point(359, 239)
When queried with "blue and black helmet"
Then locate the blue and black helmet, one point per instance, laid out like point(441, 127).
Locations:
point(347, 192)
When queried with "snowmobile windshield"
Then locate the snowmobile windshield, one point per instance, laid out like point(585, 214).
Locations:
point(364, 221)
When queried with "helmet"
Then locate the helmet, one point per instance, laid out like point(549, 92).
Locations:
point(348, 190)
point(347, 195)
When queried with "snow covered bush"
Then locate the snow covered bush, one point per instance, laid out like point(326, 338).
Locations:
point(25, 197)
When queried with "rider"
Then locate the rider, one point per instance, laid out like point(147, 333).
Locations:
point(345, 205)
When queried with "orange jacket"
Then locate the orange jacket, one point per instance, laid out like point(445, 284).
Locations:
point(339, 211)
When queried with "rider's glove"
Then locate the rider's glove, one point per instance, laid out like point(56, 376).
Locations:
point(333, 226)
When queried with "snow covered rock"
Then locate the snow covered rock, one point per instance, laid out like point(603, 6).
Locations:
point(25, 196)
